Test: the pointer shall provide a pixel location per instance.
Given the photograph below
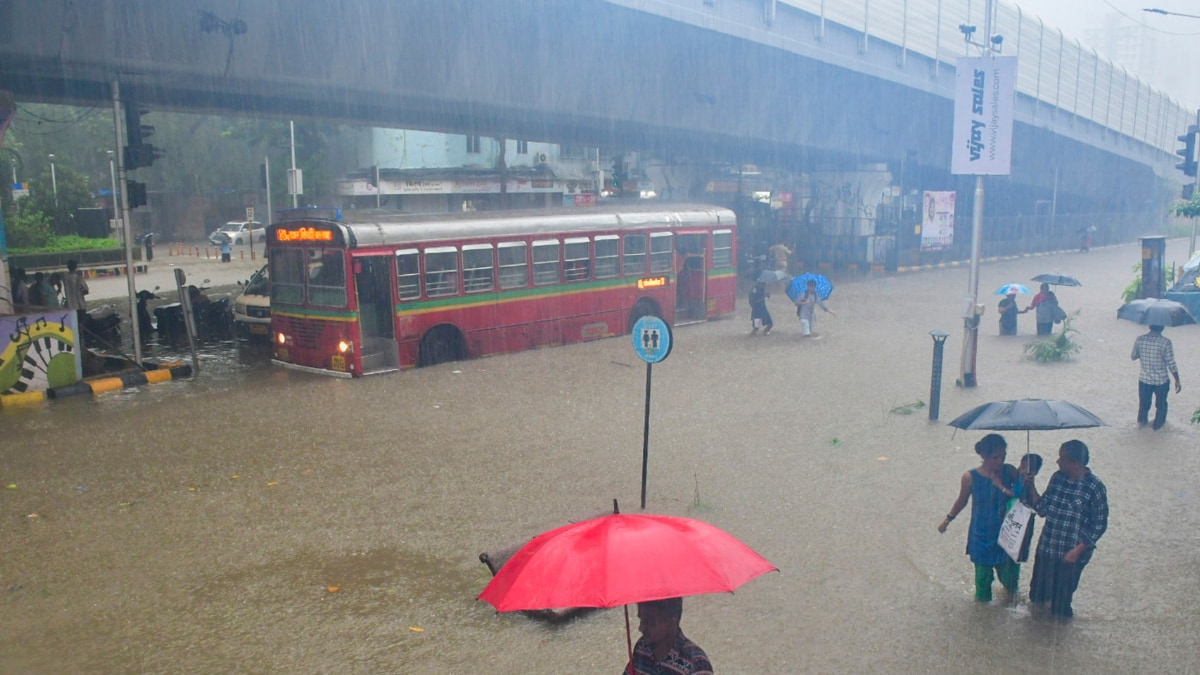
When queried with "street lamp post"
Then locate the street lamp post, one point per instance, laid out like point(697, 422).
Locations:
point(53, 180)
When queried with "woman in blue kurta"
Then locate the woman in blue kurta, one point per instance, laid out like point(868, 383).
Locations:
point(988, 488)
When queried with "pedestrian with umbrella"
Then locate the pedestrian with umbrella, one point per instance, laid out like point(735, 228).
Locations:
point(760, 316)
point(807, 300)
point(619, 559)
point(1045, 304)
point(663, 648)
point(1157, 356)
point(988, 489)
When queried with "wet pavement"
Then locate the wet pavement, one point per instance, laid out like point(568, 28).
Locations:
point(255, 519)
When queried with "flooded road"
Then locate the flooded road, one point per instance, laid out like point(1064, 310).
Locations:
point(259, 520)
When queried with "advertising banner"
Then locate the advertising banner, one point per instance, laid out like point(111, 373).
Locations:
point(984, 102)
point(937, 221)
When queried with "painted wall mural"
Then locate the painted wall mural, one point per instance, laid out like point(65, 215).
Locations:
point(41, 352)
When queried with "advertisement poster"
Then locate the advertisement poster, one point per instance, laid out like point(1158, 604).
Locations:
point(984, 102)
point(937, 221)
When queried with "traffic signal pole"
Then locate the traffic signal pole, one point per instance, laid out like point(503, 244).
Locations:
point(129, 271)
point(1196, 183)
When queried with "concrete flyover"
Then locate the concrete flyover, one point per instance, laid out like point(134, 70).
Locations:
point(785, 83)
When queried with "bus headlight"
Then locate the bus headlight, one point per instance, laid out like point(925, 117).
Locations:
point(345, 346)
point(281, 338)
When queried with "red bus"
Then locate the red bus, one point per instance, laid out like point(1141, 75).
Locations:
point(379, 292)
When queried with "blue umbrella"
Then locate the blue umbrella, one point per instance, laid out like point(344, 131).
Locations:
point(1012, 288)
point(799, 285)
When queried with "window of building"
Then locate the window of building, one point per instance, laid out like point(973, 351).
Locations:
point(522, 147)
point(479, 270)
point(441, 271)
point(634, 255)
point(545, 262)
point(408, 274)
point(606, 256)
point(473, 145)
point(514, 264)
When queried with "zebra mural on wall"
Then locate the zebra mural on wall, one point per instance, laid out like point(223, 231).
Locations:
point(41, 352)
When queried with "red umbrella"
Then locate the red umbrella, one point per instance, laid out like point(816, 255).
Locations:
point(620, 559)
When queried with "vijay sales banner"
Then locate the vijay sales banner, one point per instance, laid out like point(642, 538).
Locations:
point(984, 102)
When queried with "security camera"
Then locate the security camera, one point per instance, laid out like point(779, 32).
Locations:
point(966, 29)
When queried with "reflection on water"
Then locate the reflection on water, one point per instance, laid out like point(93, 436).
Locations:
point(200, 525)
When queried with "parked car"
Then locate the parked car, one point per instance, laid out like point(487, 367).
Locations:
point(252, 309)
point(238, 232)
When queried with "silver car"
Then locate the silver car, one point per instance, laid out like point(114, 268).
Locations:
point(238, 232)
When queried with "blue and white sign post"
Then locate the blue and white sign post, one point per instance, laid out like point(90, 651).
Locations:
point(652, 343)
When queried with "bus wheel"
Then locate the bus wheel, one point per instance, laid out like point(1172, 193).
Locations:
point(440, 345)
point(642, 308)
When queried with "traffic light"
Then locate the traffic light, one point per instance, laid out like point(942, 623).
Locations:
point(1188, 191)
point(136, 192)
point(1188, 152)
point(618, 171)
point(138, 152)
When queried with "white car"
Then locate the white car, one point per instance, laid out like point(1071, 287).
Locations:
point(238, 232)
point(252, 309)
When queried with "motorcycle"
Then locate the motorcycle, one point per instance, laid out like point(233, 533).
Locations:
point(213, 318)
point(101, 325)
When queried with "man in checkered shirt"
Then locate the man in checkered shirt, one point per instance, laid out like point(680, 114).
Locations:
point(1158, 363)
point(1075, 506)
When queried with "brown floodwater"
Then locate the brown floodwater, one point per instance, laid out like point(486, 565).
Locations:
point(259, 520)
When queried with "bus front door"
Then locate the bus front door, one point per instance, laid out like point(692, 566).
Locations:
point(376, 313)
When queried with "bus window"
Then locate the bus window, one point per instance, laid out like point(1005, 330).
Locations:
point(441, 271)
point(606, 256)
point(327, 277)
point(635, 255)
point(287, 272)
point(661, 253)
point(478, 268)
point(722, 248)
point(545, 262)
point(576, 259)
point(514, 265)
point(408, 275)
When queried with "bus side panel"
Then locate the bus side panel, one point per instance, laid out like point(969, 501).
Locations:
point(531, 319)
point(721, 293)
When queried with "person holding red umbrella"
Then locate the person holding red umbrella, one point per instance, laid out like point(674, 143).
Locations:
point(663, 649)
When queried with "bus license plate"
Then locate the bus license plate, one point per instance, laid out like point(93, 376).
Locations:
point(339, 363)
point(258, 328)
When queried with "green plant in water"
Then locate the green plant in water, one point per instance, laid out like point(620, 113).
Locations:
point(908, 408)
point(1196, 416)
point(1059, 347)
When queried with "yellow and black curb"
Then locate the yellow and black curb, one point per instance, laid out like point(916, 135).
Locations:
point(163, 373)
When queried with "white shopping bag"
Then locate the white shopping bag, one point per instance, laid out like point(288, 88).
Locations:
point(1012, 531)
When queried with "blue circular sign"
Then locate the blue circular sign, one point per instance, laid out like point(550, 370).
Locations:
point(652, 339)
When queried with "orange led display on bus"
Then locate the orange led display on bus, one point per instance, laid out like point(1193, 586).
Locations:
point(653, 282)
point(303, 234)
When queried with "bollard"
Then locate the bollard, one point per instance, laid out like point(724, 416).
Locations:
point(242, 255)
point(935, 379)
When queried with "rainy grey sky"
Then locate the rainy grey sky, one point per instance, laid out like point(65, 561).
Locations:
point(1165, 50)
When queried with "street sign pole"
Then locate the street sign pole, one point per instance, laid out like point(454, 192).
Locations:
point(652, 342)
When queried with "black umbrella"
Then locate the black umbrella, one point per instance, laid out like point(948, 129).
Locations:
point(1055, 279)
point(1156, 312)
point(1030, 414)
